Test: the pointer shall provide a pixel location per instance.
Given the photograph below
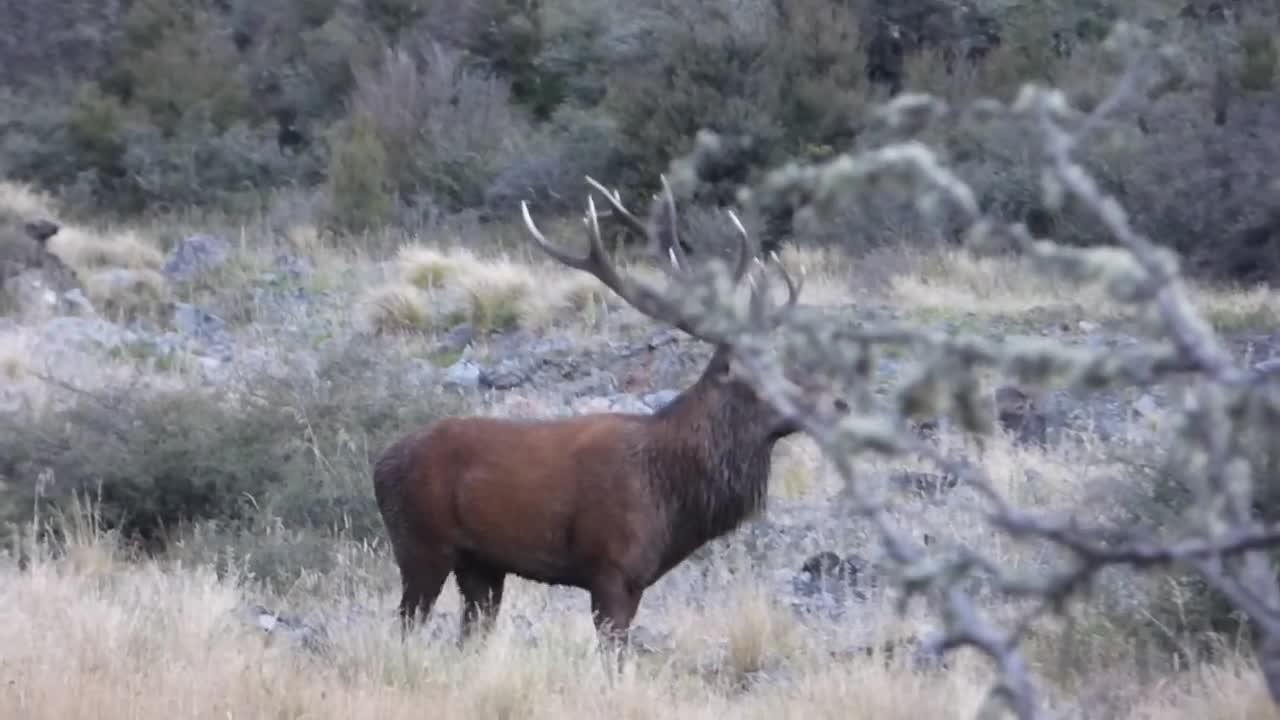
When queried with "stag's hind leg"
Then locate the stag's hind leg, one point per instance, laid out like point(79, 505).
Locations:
point(481, 587)
point(423, 571)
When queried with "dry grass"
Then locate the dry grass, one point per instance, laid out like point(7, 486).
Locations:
point(394, 308)
point(491, 292)
point(24, 201)
point(157, 639)
point(86, 250)
point(145, 640)
point(942, 283)
point(126, 293)
point(953, 284)
point(1233, 690)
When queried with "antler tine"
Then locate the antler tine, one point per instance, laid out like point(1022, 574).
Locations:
point(597, 263)
point(793, 288)
point(615, 202)
point(560, 256)
point(667, 202)
point(758, 314)
point(745, 250)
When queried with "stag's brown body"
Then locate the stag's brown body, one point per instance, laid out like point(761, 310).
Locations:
point(607, 502)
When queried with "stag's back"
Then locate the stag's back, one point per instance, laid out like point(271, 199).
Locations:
point(538, 494)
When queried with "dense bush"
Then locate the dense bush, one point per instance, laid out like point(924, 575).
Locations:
point(447, 129)
point(791, 84)
point(295, 449)
point(482, 104)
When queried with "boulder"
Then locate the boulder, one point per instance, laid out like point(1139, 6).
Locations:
point(34, 281)
point(195, 256)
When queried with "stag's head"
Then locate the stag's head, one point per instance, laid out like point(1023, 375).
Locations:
point(724, 389)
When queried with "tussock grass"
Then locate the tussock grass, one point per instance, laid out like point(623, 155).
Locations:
point(23, 201)
point(86, 250)
point(430, 268)
point(127, 293)
point(503, 295)
point(435, 287)
point(1239, 309)
point(395, 308)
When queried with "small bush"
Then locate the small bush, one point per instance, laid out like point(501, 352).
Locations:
point(127, 294)
point(395, 308)
point(427, 268)
point(500, 296)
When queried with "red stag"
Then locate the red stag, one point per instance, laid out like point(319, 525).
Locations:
point(606, 502)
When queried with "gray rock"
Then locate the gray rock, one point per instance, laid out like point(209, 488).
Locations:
point(648, 641)
point(661, 398)
point(198, 323)
point(620, 403)
point(289, 266)
point(41, 230)
point(924, 484)
point(550, 346)
point(196, 255)
point(75, 298)
point(827, 575)
point(291, 630)
point(1020, 415)
point(458, 338)
point(31, 293)
point(463, 374)
point(506, 375)
point(83, 333)
point(32, 279)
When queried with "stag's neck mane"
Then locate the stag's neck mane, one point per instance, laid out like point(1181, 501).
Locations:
point(712, 471)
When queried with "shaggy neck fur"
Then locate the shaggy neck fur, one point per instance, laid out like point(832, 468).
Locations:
point(713, 469)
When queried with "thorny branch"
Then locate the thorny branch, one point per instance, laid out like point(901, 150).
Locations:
point(1134, 271)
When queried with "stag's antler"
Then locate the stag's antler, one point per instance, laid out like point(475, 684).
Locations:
point(661, 231)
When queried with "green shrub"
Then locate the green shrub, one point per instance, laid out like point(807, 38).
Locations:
point(447, 128)
point(360, 196)
point(391, 16)
point(1261, 58)
point(290, 449)
point(329, 57)
point(509, 35)
point(186, 70)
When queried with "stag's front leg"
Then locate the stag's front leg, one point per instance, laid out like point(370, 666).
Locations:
point(613, 606)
